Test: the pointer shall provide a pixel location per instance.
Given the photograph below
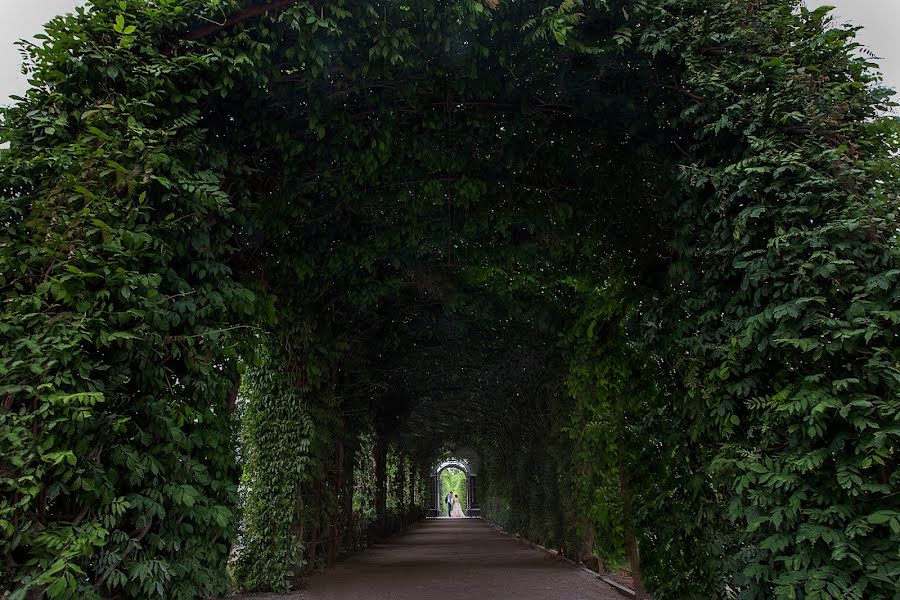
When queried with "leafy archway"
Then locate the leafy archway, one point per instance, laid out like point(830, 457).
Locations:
point(641, 256)
point(457, 477)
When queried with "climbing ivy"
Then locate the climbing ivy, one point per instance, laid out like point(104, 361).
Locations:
point(262, 262)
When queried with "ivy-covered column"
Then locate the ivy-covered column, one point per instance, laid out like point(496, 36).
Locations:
point(381, 483)
point(120, 323)
point(286, 443)
point(781, 318)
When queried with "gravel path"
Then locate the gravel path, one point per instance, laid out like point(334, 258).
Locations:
point(451, 559)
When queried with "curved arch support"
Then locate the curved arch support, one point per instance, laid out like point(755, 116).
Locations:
point(434, 489)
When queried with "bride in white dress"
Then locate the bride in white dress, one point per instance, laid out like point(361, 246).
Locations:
point(457, 510)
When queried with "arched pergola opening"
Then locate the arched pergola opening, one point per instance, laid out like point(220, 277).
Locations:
point(436, 504)
point(263, 262)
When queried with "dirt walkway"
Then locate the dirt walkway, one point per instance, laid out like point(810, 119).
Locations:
point(452, 559)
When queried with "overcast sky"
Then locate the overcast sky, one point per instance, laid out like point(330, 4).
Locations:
point(23, 18)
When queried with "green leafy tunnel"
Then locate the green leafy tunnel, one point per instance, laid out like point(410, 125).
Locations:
point(264, 263)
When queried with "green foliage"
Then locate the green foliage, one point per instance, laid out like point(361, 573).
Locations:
point(453, 481)
point(117, 473)
point(642, 257)
point(789, 349)
point(281, 438)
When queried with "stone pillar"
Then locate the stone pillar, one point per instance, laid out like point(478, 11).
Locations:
point(432, 504)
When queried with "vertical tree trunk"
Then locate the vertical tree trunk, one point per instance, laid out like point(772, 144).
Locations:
point(401, 489)
point(348, 504)
point(317, 510)
point(338, 520)
point(631, 545)
point(586, 554)
point(381, 480)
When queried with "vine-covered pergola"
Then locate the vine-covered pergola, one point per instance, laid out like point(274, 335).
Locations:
point(434, 496)
point(264, 263)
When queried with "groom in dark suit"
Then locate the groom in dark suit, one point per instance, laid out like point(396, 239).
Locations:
point(449, 501)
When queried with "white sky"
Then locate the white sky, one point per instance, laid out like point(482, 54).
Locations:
point(24, 18)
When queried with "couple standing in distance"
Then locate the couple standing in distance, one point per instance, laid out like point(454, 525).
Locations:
point(454, 508)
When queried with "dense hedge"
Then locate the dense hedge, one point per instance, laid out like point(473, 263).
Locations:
point(646, 253)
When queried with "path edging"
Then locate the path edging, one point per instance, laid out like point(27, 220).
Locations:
point(615, 585)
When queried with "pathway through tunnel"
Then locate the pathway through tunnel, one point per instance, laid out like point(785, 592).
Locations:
point(451, 558)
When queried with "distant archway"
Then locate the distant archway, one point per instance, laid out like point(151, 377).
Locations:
point(434, 488)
